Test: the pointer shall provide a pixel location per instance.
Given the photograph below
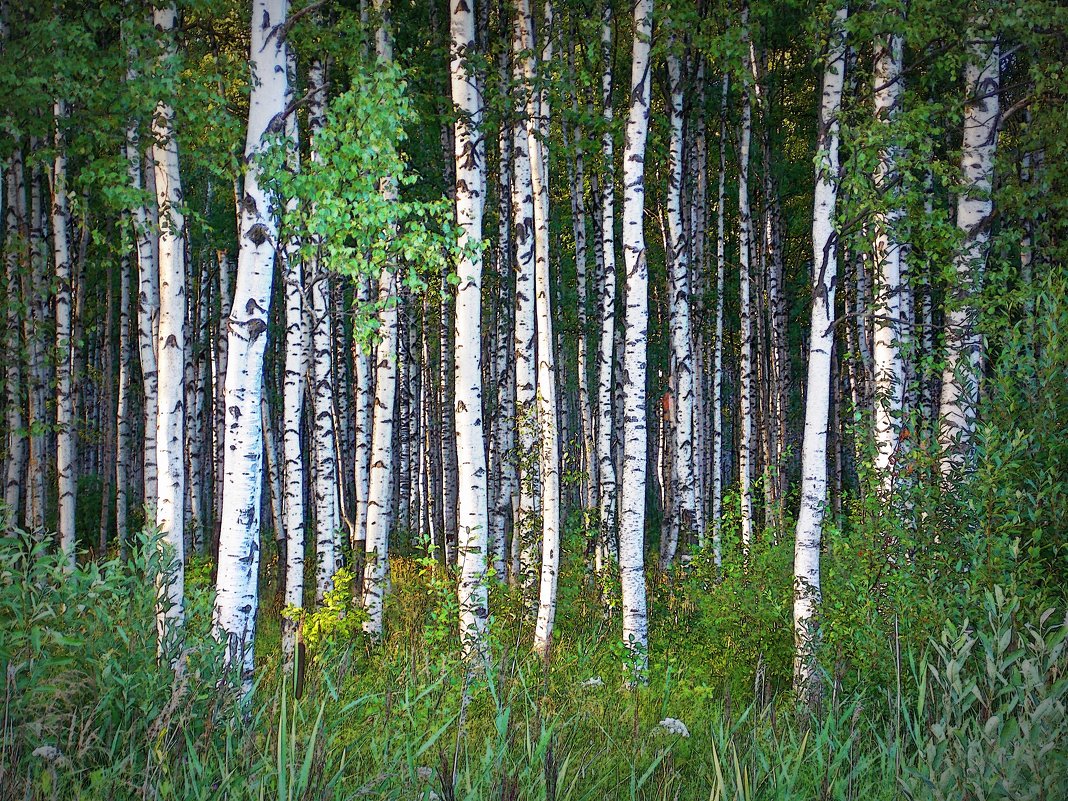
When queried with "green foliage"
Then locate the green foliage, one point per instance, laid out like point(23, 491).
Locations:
point(990, 720)
point(334, 622)
point(346, 204)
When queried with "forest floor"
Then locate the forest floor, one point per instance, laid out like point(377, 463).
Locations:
point(89, 713)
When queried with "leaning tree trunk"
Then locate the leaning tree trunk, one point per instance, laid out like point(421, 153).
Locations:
point(170, 354)
point(962, 373)
point(632, 505)
point(472, 515)
point(817, 399)
point(239, 548)
point(548, 423)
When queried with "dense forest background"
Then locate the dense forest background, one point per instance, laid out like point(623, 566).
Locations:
point(534, 399)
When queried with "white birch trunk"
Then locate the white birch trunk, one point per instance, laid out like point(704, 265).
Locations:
point(324, 445)
point(717, 358)
point(364, 416)
point(15, 219)
point(817, 400)
point(888, 257)
point(296, 367)
point(66, 455)
point(745, 237)
point(607, 493)
point(239, 548)
point(548, 424)
point(472, 514)
point(961, 375)
point(122, 410)
point(380, 488)
point(683, 500)
point(147, 308)
point(632, 506)
point(525, 313)
point(170, 354)
point(35, 325)
point(293, 476)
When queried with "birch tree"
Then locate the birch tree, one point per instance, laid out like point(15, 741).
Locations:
point(745, 367)
point(717, 358)
point(821, 343)
point(14, 221)
point(472, 511)
point(548, 424)
point(526, 379)
point(632, 502)
point(380, 487)
point(237, 598)
point(889, 261)
point(963, 364)
point(66, 455)
point(606, 469)
point(170, 353)
point(683, 511)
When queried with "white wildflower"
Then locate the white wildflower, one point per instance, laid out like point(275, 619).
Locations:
point(49, 753)
point(593, 682)
point(674, 726)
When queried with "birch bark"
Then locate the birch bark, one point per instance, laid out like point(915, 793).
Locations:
point(548, 423)
point(821, 344)
point(745, 236)
point(15, 214)
point(607, 494)
point(239, 548)
point(66, 454)
point(472, 515)
point(380, 488)
point(170, 354)
point(683, 500)
point(962, 372)
point(717, 358)
point(888, 257)
point(632, 506)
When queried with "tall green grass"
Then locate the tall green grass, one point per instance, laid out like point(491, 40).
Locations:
point(88, 712)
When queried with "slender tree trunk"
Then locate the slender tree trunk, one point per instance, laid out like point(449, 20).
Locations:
point(888, 258)
point(170, 354)
point(632, 510)
point(963, 369)
point(607, 495)
point(577, 175)
point(503, 433)
point(122, 410)
point(548, 422)
point(526, 387)
point(683, 502)
point(239, 548)
point(745, 236)
point(15, 221)
point(817, 401)
point(380, 496)
point(717, 358)
point(296, 367)
point(35, 326)
point(66, 453)
point(472, 515)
